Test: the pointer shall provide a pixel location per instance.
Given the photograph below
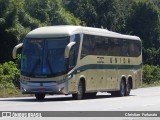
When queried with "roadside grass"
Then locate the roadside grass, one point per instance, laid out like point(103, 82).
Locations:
point(9, 92)
point(156, 83)
point(12, 92)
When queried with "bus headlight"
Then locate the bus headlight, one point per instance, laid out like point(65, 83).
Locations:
point(61, 81)
point(66, 78)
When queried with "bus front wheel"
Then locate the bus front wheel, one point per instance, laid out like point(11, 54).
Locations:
point(40, 96)
point(80, 93)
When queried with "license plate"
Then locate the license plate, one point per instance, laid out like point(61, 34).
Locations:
point(41, 90)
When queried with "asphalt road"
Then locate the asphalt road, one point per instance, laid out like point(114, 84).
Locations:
point(142, 99)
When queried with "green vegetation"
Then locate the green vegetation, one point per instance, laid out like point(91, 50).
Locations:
point(151, 75)
point(9, 79)
point(135, 17)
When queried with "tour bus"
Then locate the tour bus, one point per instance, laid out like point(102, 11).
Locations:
point(80, 61)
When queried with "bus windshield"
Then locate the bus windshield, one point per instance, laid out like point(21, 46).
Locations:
point(44, 57)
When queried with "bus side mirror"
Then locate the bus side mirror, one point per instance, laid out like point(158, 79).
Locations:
point(14, 52)
point(68, 48)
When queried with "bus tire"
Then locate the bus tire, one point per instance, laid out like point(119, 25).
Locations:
point(128, 89)
point(122, 90)
point(80, 93)
point(40, 96)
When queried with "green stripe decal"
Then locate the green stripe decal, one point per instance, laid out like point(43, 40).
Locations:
point(106, 66)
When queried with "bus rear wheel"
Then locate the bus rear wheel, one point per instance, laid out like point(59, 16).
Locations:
point(128, 89)
point(40, 96)
point(122, 90)
point(80, 93)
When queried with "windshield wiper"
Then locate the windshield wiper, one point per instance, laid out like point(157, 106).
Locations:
point(35, 65)
point(48, 63)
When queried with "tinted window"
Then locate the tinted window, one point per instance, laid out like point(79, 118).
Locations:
point(43, 57)
point(74, 50)
point(87, 48)
point(98, 45)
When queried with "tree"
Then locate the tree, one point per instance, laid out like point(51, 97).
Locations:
point(113, 14)
point(84, 10)
point(50, 12)
point(144, 22)
point(17, 18)
point(7, 21)
point(97, 13)
point(38, 9)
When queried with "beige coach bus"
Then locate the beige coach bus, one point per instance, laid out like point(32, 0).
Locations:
point(80, 61)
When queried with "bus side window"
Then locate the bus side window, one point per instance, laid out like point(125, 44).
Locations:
point(125, 48)
point(86, 46)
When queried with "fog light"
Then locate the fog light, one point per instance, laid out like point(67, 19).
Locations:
point(24, 89)
point(60, 89)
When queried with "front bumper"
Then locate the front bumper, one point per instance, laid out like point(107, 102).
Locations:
point(44, 87)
